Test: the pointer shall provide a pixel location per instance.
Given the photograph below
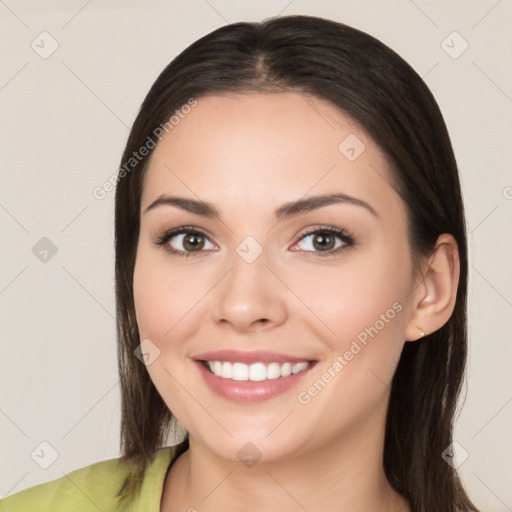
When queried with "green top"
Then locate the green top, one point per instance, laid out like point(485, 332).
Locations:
point(96, 487)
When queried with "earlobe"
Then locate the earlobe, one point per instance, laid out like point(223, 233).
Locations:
point(434, 298)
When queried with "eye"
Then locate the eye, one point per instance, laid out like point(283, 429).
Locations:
point(324, 241)
point(184, 241)
point(327, 240)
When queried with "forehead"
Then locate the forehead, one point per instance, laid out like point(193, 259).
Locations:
point(280, 146)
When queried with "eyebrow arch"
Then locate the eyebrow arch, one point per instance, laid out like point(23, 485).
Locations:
point(316, 202)
point(285, 211)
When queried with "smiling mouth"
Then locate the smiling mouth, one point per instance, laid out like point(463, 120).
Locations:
point(255, 372)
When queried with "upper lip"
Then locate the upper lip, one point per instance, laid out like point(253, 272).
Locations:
point(255, 356)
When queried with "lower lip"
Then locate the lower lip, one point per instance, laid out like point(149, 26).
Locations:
point(249, 391)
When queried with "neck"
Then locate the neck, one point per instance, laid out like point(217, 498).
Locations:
point(344, 475)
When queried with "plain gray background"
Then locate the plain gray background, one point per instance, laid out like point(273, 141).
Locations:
point(65, 118)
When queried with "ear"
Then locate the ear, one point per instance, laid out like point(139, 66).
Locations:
point(436, 290)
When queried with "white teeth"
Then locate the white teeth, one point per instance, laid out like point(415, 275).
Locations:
point(227, 370)
point(286, 369)
point(273, 371)
point(255, 372)
point(298, 367)
point(240, 371)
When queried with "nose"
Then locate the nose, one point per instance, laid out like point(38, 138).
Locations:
point(249, 298)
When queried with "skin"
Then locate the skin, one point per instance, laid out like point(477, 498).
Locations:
point(248, 155)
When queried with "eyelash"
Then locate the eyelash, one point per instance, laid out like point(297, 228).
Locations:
point(347, 239)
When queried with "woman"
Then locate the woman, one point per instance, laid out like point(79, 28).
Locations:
point(291, 274)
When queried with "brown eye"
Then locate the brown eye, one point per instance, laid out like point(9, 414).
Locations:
point(325, 241)
point(183, 242)
point(189, 241)
point(193, 242)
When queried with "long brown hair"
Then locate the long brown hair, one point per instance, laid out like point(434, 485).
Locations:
point(372, 84)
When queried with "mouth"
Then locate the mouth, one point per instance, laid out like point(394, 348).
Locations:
point(247, 377)
point(255, 372)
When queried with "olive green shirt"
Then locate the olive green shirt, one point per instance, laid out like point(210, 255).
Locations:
point(96, 488)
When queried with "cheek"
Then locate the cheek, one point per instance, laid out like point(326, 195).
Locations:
point(364, 305)
point(163, 296)
point(364, 308)
point(164, 299)
point(354, 296)
point(151, 300)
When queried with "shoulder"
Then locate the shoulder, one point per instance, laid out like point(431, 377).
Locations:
point(91, 488)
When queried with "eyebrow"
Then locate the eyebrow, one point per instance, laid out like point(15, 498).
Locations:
point(285, 211)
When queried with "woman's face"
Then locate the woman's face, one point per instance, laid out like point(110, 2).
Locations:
point(258, 277)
